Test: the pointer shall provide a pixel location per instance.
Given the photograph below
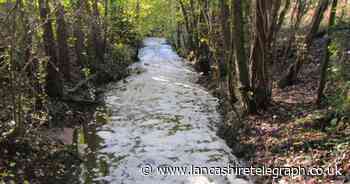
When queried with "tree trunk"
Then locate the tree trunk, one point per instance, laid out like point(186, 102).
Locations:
point(226, 38)
point(96, 38)
point(54, 86)
point(259, 58)
point(296, 17)
point(316, 21)
point(105, 27)
point(79, 34)
point(325, 61)
point(138, 10)
point(14, 58)
point(204, 51)
point(189, 30)
point(178, 35)
point(240, 56)
point(63, 52)
point(272, 14)
point(293, 70)
point(282, 15)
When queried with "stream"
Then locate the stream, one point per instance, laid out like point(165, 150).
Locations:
point(160, 117)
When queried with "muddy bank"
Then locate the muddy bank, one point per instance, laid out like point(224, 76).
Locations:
point(49, 151)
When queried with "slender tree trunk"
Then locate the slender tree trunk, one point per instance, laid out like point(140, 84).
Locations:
point(138, 10)
point(259, 58)
point(63, 52)
point(27, 36)
point(178, 35)
point(282, 15)
point(195, 21)
point(316, 21)
point(14, 83)
point(189, 27)
point(293, 71)
point(325, 61)
point(105, 27)
point(79, 34)
point(204, 51)
point(296, 17)
point(240, 55)
point(273, 21)
point(226, 37)
point(96, 37)
point(54, 86)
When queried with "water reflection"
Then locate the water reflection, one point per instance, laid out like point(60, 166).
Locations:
point(94, 165)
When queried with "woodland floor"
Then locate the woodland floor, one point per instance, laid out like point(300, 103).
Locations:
point(293, 131)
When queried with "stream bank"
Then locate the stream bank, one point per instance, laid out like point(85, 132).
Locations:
point(293, 130)
point(49, 153)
